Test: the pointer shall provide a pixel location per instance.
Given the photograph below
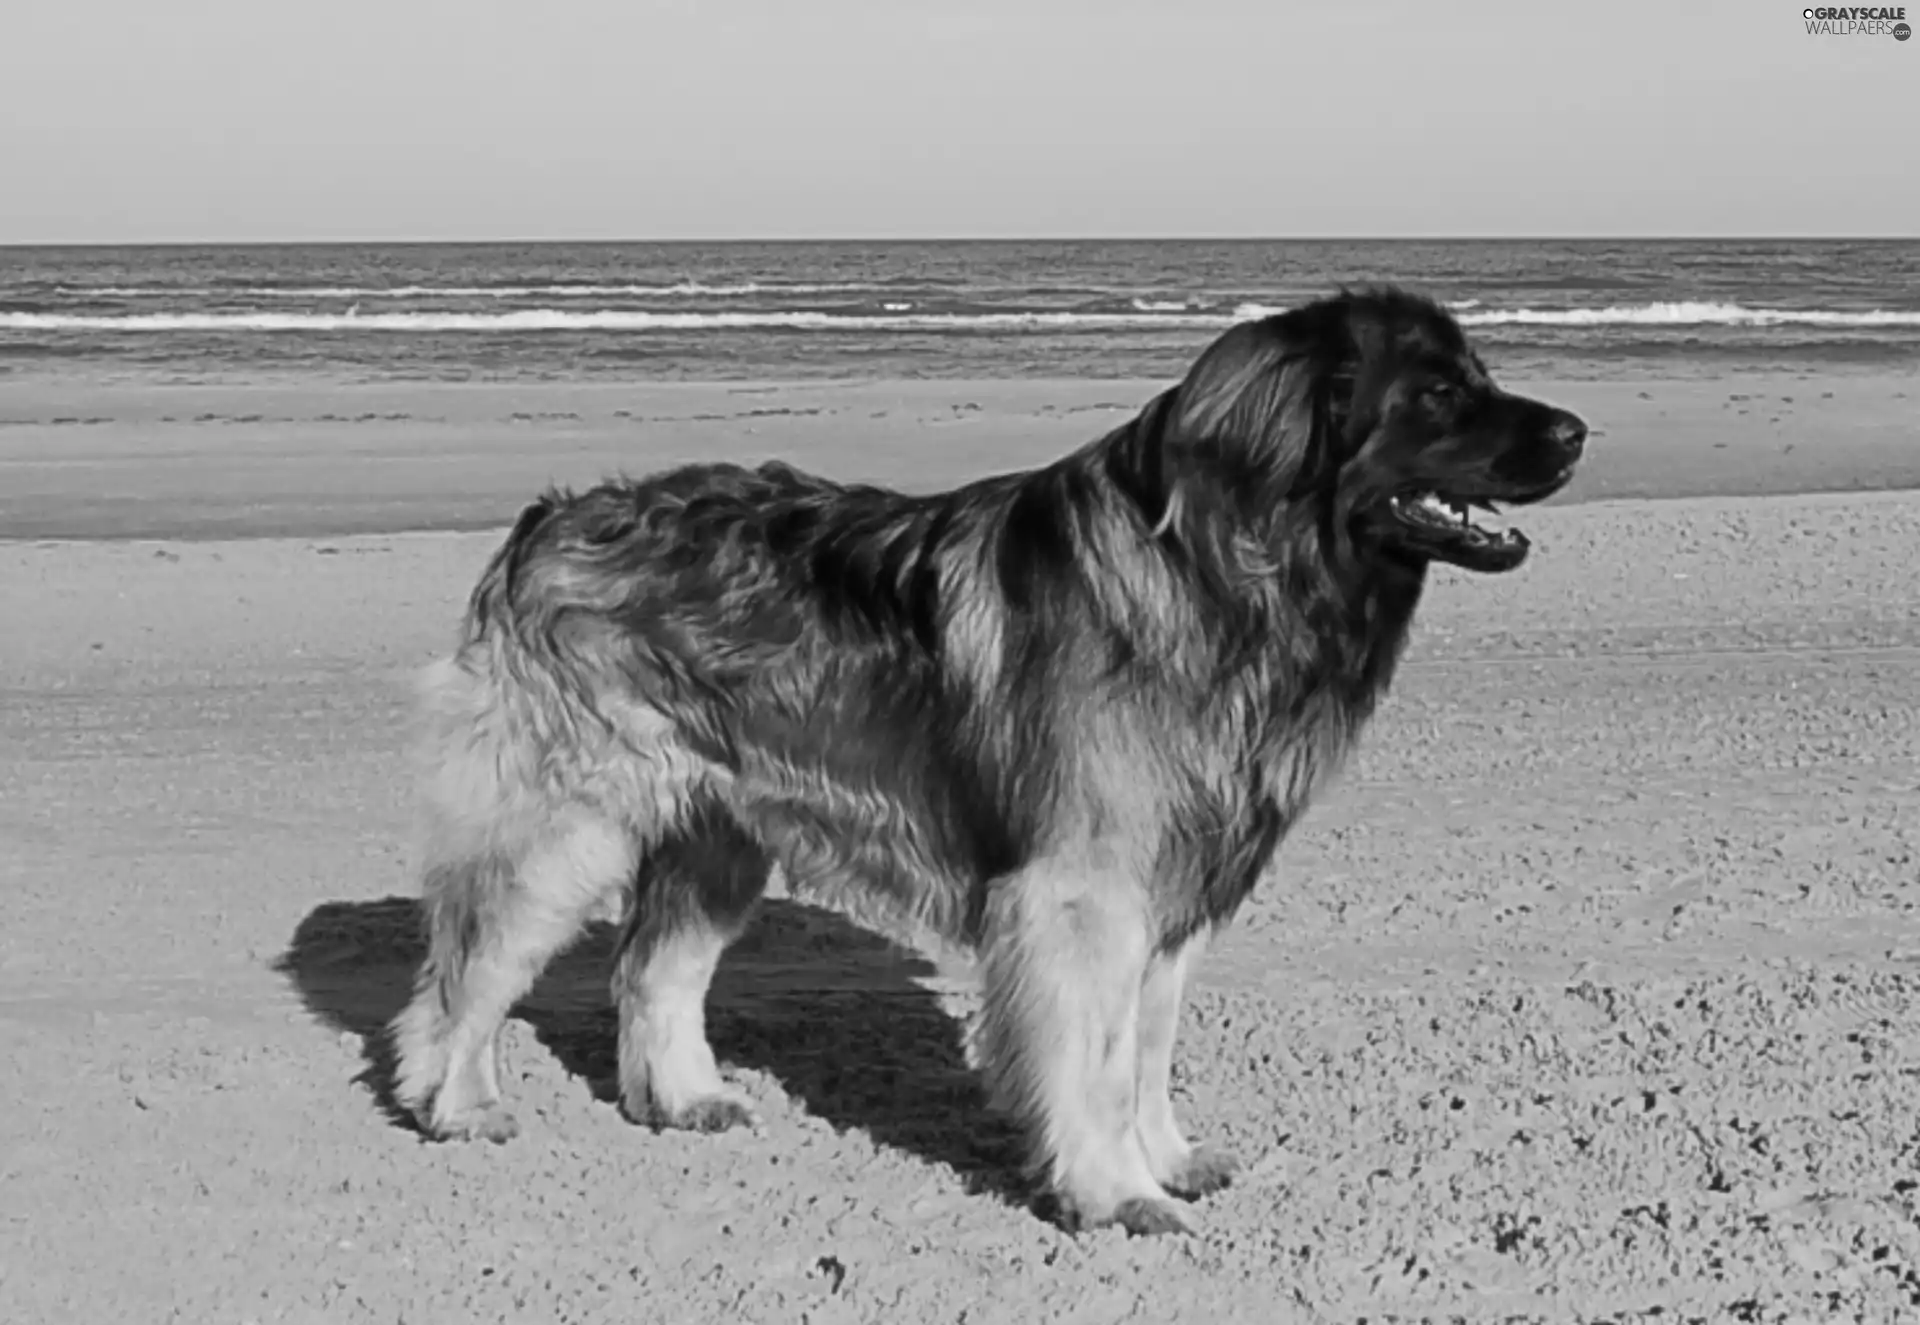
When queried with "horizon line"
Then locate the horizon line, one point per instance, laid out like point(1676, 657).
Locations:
point(738, 241)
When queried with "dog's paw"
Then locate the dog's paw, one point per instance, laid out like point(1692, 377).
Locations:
point(708, 1113)
point(717, 1113)
point(1148, 1217)
point(1203, 1172)
point(1140, 1216)
point(485, 1122)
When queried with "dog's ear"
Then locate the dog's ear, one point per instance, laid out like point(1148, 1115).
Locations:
point(1270, 401)
point(1327, 440)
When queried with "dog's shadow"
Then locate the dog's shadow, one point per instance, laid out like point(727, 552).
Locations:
point(848, 1023)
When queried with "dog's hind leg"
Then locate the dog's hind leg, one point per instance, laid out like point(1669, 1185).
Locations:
point(1180, 1166)
point(1064, 964)
point(694, 895)
point(494, 924)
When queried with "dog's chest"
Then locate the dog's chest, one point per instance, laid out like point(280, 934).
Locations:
point(1300, 759)
point(1283, 765)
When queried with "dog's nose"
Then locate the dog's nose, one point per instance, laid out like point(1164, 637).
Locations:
point(1568, 432)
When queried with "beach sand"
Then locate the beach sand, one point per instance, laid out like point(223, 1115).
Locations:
point(1591, 990)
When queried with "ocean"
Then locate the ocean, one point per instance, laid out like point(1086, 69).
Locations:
point(1090, 309)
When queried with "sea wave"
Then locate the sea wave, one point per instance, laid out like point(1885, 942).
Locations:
point(559, 319)
point(639, 320)
point(684, 289)
point(1692, 314)
point(1472, 313)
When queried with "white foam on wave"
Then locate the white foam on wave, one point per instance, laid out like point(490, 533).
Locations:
point(556, 319)
point(1471, 313)
point(1688, 313)
point(678, 288)
point(638, 320)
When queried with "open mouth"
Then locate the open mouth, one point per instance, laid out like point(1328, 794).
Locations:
point(1451, 518)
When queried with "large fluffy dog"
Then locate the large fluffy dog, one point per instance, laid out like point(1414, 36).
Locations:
point(1060, 718)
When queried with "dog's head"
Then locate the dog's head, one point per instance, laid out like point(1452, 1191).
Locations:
point(1374, 406)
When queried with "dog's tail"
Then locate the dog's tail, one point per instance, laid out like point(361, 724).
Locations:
point(492, 604)
point(522, 686)
point(476, 711)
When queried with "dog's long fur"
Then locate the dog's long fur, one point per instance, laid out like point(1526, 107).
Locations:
point(1060, 718)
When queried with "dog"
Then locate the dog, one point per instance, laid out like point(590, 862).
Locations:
point(1058, 719)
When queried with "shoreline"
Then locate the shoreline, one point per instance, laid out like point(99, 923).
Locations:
point(195, 463)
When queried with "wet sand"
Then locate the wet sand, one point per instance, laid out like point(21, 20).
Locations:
point(260, 461)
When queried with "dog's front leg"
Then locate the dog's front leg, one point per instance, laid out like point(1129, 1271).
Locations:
point(1064, 964)
point(1181, 1167)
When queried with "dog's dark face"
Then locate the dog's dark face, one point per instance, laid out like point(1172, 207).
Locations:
point(1429, 439)
point(1439, 440)
point(1375, 406)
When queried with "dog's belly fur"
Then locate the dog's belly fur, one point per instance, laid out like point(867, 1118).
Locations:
point(861, 815)
point(870, 800)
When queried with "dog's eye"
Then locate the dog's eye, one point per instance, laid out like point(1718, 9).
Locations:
point(1441, 393)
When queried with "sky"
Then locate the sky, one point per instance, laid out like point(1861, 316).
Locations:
point(237, 120)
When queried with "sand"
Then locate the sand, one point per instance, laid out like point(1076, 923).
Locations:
point(1589, 994)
